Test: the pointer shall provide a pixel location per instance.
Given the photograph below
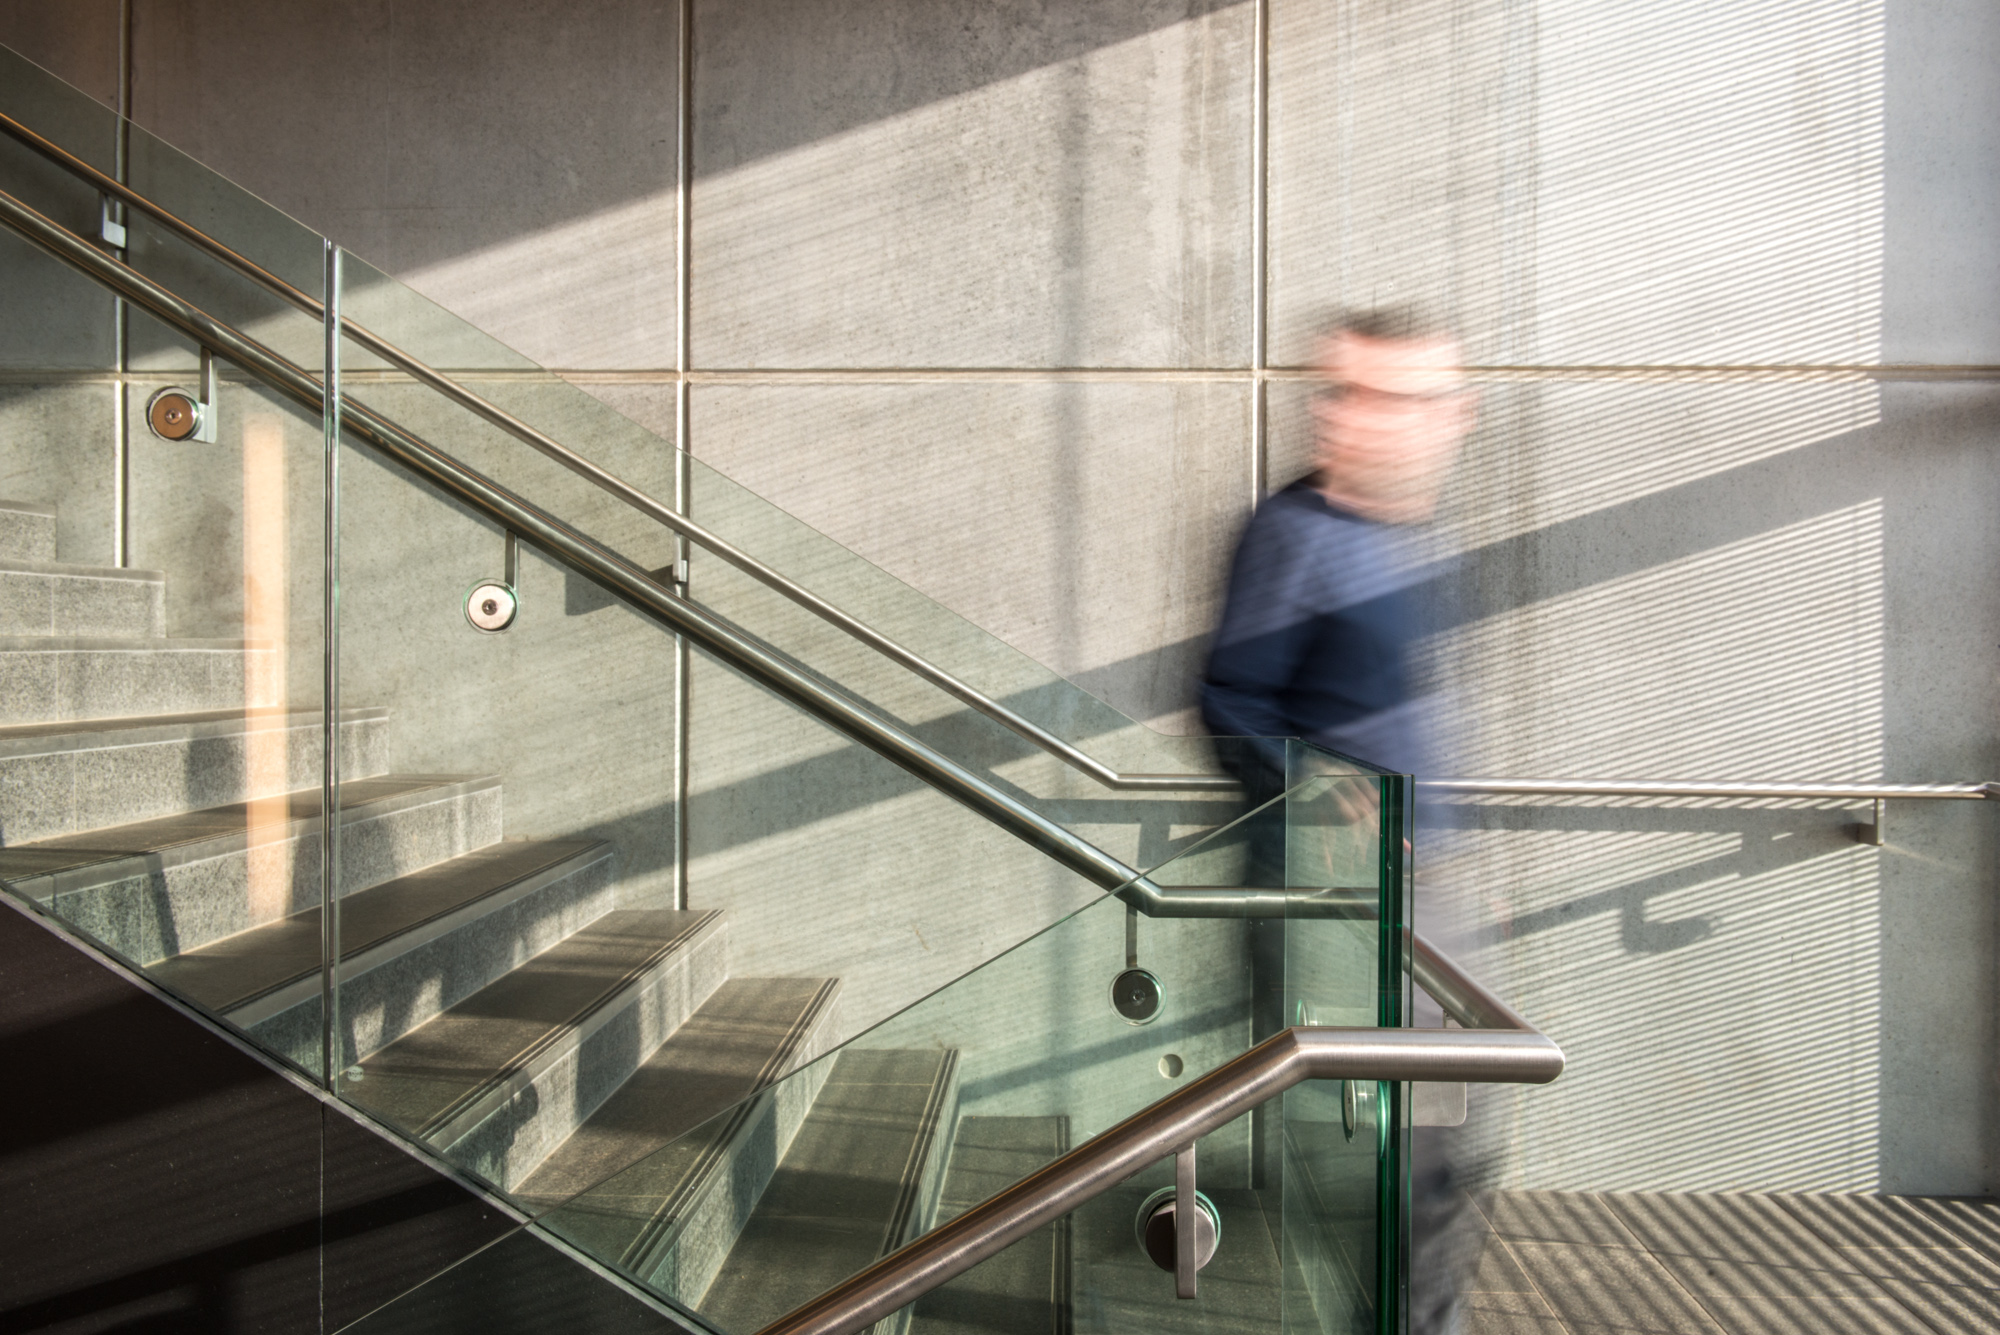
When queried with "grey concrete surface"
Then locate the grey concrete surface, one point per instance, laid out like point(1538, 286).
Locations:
point(1100, 188)
point(1664, 572)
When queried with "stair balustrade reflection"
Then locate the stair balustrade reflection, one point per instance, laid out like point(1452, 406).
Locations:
point(749, 1165)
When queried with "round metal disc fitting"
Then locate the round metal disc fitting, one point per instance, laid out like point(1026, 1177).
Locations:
point(490, 606)
point(1136, 995)
point(173, 414)
point(1357, 1106)
point(1156, 1224)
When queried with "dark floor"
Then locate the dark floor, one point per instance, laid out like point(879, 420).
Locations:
point(1591, 1264)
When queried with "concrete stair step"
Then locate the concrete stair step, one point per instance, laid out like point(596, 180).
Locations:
point(67, 777)
point(45, 598)
point(46, 679)
point(1026, 1289)
point(660, 1177)
point(161, 887)
point(499, 1080)
point(27, 532)
point(410, 947)
point(859, 1180)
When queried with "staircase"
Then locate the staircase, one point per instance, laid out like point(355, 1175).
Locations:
point(501, 1003)
point(498, 1001)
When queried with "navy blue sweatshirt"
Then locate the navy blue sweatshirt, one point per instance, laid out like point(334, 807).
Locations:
point(1316, 636)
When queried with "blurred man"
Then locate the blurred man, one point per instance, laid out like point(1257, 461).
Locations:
point(1320, 617)
point(1316, 637)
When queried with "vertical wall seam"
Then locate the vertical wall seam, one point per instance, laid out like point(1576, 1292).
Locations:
point(329, 748)
point(121, 469)
point(1260, 97)
point(683, 472)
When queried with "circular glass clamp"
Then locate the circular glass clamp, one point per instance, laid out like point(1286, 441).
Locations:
point(490, 606)
point(1136, 995)
point(173, 414)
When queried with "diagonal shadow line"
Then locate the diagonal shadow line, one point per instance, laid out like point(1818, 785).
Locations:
point(1638, 933)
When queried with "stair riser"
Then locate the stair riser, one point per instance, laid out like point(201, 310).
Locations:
point(43, 796)
point(685, 1268)
point(51, 603)
point(27, 535)
point(58, 684)
point(158, 911)
point(571, 1081)
point(379, 1005)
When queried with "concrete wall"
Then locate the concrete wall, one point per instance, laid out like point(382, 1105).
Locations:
point(973, 293)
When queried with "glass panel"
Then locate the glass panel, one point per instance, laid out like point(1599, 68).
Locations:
point(1140, 827)
point(160, 605)
point(742, 1215)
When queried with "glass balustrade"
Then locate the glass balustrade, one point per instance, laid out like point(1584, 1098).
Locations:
point(597, 914)
point(738, 1193)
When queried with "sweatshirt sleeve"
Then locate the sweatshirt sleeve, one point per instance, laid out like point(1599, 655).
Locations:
point(1266, 630)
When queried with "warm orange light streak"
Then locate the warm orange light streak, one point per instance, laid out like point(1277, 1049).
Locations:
point(266, 577)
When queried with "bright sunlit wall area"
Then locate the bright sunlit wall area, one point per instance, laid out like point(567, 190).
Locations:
point(1009, 298)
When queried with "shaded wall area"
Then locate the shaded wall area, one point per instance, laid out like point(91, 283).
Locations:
point(157, 1177)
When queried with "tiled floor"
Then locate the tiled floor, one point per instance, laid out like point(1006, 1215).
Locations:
point(1583, 1263)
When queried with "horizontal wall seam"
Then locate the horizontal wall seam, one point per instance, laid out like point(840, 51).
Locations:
point(1886, 371)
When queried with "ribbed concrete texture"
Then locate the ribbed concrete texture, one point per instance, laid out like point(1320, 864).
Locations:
point(1590, 1264)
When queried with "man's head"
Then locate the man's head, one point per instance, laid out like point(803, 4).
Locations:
point(1389, 413)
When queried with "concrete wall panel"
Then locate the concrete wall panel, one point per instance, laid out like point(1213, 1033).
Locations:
point(1087, 210)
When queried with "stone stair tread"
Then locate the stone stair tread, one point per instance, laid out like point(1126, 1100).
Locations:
point(629, 1173)
point(426, 1077)
point(1025, 1289)
point(115, 643)
point(236, 970)
point(187, 830)
point(20, 566)
point(842, 1196)
point(91, 734)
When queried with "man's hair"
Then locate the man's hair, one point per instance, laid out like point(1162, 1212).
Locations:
point(1406, 322)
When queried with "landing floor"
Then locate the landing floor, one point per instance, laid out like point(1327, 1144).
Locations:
point(1584, 1263)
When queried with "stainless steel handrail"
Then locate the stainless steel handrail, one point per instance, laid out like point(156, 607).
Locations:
point(616, 486)
point(635, 585)
point(1703, 788)
point(613, 485)
point(964, 692)
point(1498, 1046)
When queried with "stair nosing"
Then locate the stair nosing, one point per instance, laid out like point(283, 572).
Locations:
point(148, 729)
point(113, 574)
point(125, 866)
point(281, 997)
point(144, 644)
point(468, 1111)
